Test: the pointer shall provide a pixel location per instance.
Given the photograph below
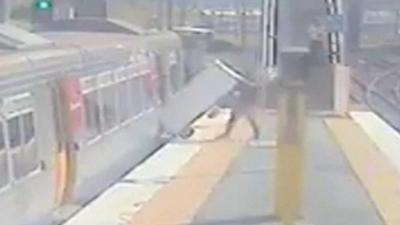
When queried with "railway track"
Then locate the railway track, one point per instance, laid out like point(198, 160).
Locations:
point(380, 93)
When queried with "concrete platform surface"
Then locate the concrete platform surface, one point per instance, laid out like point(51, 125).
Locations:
point(231, 181)
point(333, 194)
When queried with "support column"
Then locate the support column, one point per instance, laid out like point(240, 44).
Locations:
point(291, 129)
point(290, 158)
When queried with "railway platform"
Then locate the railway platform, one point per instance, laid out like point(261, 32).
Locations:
point(351, 177)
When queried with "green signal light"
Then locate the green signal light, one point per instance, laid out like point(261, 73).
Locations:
point(44, 5)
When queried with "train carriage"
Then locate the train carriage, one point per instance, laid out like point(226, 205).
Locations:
point(76, 115)
point(84, 107)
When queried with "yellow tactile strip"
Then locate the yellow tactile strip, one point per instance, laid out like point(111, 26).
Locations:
point(179, 201)
point(377, 175)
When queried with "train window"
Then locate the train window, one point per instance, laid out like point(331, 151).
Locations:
point(3, 160)
point(124, 105)
point(4, 177)
point(14, 132)
point(108, 107)
point(152, 96)
point(174, 72)
point(28, 128)
point(18, 137)
point(174, 78)
point(21, 135)
point(147, 93)
point(136, 96)
point(92, 114)
point(2, 141)
point(161, 78)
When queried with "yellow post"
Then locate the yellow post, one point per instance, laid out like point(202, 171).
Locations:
point(290, 155)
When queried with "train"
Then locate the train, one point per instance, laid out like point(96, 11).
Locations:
point(79, 112)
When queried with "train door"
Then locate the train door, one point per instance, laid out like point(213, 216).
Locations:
point(70, 123)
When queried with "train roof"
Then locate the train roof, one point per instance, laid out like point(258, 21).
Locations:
point(73, 50)
point(90, 39)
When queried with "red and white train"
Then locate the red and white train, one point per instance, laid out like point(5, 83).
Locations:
point(77, 114)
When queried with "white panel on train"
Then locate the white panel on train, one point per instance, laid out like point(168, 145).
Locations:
point(203, 91)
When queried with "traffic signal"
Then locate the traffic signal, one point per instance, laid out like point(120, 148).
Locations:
point(44, 5)
point(42, 11)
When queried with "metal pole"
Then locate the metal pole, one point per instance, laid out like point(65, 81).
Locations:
point(269, 34)
point(264, 33)
point(243, 23)
point(5, 8)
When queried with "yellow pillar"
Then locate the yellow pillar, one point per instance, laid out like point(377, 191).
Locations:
point(290, 155)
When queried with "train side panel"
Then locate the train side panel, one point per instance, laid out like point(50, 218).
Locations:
point(121, 125)
point(29, 137)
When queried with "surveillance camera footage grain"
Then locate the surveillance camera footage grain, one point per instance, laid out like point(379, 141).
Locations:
point(199, 112)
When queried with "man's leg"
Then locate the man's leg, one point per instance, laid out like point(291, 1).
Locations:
point(251, 117)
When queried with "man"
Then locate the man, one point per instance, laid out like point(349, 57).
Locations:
point(243, 102)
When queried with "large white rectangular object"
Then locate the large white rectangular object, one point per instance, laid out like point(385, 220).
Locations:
point(196, 98)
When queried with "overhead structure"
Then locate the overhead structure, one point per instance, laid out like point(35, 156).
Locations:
point(49, 10)
point(269, 39)
point(12, 37)
point(4, 10)
point(290, 24)
point(334, 26)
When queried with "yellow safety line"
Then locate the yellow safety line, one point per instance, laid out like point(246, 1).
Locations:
point(179, 201)
point(375, 172)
